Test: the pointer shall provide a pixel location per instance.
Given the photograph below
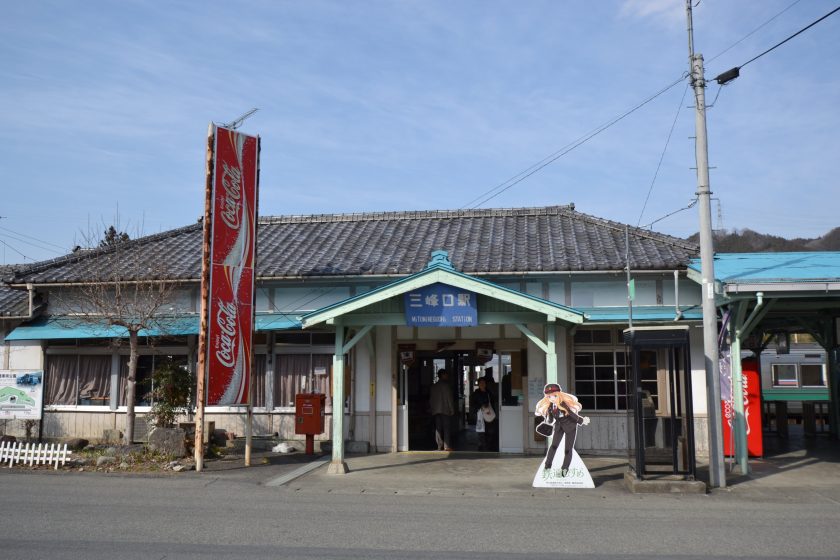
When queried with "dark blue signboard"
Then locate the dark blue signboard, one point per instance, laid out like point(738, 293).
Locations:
point(440, 305)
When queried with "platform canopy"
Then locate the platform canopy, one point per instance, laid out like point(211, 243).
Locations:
point(767, 295)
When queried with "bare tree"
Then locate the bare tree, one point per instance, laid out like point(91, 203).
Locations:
point(126, 286)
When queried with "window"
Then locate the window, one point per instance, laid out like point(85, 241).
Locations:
point(784, 375)
point(812, 375)
point(300, 373)
point(601, 379)
point(143, 378)
point(305, 338)
point(258, 371)
point(78, 380)
point(593, 336)
point(601, 371)
point(648, 377)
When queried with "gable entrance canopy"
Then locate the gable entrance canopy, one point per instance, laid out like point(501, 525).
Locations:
point(495, 305)
point(769, 293)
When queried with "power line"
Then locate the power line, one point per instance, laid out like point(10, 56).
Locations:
point(662, 157)
point(30, 243)
point(15, 250)
point(684, 208)
point(518, 178)
point(779, 44)
point(32, 237)
point(733, 73)
point(747, 36)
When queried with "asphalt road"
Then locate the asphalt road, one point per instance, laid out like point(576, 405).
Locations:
point(90, 516)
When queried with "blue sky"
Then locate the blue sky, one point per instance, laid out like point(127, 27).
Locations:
point(408, 105)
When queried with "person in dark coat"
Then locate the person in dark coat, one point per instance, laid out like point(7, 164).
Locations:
point(561, 410)
point(483, 398)
point(442, 405)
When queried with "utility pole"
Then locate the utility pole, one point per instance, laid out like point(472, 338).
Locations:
point(717, 473)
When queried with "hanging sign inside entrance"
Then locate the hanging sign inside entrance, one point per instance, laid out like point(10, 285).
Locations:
point(440, 305)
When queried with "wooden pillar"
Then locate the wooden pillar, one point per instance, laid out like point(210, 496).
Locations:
point(338, 466)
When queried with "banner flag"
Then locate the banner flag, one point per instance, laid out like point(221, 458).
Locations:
point(232, 250)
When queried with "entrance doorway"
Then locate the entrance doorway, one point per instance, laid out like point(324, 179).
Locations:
point(464, 372)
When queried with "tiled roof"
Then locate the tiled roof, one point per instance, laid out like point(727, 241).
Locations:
point(492, 241)
point(13, 303)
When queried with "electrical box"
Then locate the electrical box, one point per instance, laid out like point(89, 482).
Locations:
point(309, 413)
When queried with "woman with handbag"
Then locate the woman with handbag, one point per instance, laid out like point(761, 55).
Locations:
point(560, 415)
point(481, 402)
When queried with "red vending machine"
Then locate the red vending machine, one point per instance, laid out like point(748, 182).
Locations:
point(752, 412)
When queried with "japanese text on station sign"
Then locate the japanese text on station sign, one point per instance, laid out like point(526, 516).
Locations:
point(440, 305)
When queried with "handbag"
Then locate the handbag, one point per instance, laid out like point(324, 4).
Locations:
point(488, 413)
point(479, 422)
point(545, 429)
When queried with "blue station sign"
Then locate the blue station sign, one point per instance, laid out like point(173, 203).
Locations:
point(441, 305)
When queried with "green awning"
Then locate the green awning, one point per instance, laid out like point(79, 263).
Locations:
point(63, 328)
point(641, 313)
point(275, 322)
point(58, 328)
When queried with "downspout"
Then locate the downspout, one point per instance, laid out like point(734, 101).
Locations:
point(677, 295)
point(30, 288)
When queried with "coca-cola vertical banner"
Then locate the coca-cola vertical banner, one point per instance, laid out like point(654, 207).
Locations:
point(232, 254)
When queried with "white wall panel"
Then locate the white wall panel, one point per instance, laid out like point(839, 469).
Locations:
point(385, 368)
point(308, 298)
point(26, 354)
point(361, 369)
point(698, 370)
point(481, 332)
point(557, 292)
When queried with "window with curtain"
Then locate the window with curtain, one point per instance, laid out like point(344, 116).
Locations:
point(78, 380)
point(300, 373)
point(143, 377)
point(258, 371)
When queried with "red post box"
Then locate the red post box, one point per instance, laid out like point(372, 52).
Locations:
point(309, 417)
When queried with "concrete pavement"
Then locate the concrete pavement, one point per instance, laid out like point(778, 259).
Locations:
point(801, 474)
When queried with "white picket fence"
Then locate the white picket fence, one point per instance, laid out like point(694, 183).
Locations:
point(33, 454)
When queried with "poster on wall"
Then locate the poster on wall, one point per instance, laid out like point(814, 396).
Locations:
point(21, 394)
point(562, 467)
point(407, 354)
point(232, 254)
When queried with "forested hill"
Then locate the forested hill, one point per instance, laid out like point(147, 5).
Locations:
point(748, 241)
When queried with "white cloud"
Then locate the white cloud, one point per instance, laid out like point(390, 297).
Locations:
point(670, 13)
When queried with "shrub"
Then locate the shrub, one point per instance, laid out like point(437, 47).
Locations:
point(172, 386)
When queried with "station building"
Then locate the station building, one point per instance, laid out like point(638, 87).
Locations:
point(548, 292)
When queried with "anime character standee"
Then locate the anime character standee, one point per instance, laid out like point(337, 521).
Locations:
point(561, 411)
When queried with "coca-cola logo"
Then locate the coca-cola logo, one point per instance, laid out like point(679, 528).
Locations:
point(226, 321)
point(231, 204)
